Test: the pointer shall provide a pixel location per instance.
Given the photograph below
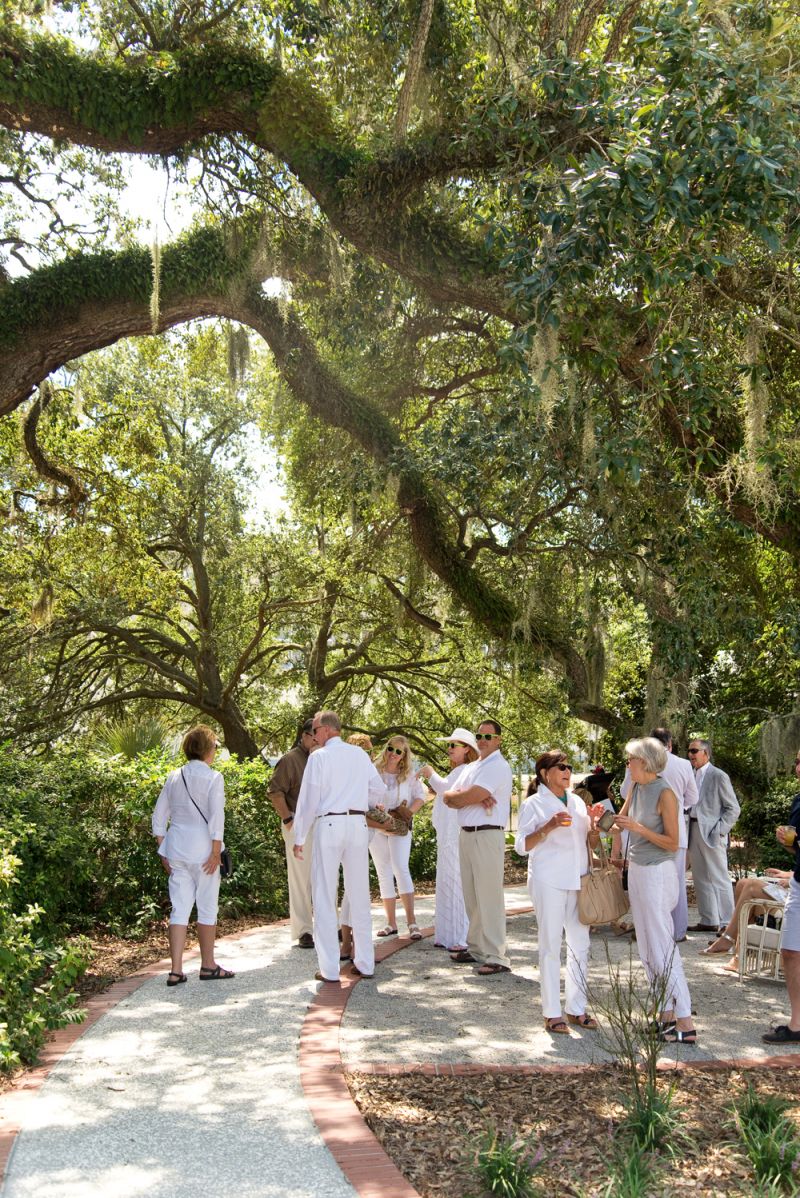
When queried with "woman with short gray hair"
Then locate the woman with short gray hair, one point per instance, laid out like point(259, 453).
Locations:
point(650, 815)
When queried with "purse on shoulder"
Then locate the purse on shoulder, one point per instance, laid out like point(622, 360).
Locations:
point(601, 898)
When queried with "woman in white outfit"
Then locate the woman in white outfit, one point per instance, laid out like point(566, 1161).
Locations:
point(391, 853)
point(650, 815)
point(554, 824)
point(450, 921)
point(188, 824)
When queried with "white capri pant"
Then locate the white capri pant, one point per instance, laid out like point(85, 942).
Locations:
point(790, 941)
point(653, 891)
point(391, 854)
point(189, 884)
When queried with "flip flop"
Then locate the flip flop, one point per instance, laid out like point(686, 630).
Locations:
point(179, 977)
point(486, 970)
point(462, 958)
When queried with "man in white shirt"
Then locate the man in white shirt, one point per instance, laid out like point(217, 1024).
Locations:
point(679, 777)
point(338, 784)
point(483, 802)
point(710, 822)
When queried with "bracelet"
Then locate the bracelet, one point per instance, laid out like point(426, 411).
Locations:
point(288, 819)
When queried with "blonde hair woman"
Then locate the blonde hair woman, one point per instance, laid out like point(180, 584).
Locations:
point(391, 853)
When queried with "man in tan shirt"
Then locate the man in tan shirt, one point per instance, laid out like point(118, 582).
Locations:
point(284, 787)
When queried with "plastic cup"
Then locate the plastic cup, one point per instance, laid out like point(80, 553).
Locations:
point(789, 835)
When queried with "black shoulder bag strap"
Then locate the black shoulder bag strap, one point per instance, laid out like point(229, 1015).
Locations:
point(225, 862)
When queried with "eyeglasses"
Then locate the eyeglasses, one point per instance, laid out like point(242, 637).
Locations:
point(486, 735)
point(456, 744)
point(392, 749)
point(562, 765)
point(692, 752)
point(315, 728)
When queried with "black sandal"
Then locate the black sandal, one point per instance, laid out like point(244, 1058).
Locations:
point(217, 974)
point(674, 1035)
point(180, 977)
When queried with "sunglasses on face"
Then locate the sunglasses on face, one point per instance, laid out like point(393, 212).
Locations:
point(692, 752)
point(485, 735)
point(392, 749)
point(455, 744)
point(563, 766)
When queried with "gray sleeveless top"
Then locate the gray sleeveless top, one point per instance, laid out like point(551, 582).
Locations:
point(644, 800)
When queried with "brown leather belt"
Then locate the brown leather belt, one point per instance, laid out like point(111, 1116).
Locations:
point(350, 812)
point(480, 827)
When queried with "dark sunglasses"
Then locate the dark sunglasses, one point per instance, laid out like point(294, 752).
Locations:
point(485, 735)
point(456, 744)
point(563, 766)
point(391, 749)
point(692, 752)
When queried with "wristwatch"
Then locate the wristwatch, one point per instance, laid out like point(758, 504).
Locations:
point(288, 819)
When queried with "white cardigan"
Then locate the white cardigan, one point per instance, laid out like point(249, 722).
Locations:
point(561, 858)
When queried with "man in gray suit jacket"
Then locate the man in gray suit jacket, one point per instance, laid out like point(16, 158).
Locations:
point(710, 822)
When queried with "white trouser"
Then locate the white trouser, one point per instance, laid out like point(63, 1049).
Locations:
point(712, 882)
point(557, 914)
point(653, 890)
point(341, 840)
point(680, 912)
point(391, 854)
point(190, 884)
point(298, 871)
point(482, 856)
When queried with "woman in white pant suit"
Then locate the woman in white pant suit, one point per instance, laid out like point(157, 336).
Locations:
point(650, 815)
point(391, 853)
point(554, 824)
point(451, 924)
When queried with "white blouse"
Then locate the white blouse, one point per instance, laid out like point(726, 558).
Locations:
point(561, 858)
point(438, 784)
point(407, 791)
point(187, 837)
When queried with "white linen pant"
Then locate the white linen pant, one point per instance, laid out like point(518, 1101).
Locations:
point(190, 884)
point(557, 914)
point(653, 890)
point(482, 855)
point(391, 854)
point(341, 840)
point(712, 882)
point(680, 912)
point(298, 871)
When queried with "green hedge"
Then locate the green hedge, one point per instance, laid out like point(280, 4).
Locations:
point(756, 825)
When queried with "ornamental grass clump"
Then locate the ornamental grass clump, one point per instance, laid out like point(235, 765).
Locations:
point(770, 1140)
point(506, 1164)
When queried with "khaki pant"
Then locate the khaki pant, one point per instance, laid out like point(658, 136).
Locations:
point(299, 872)
point(482, 855)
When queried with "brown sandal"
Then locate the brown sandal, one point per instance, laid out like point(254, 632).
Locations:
point(556, 1026)
point(584, 1021)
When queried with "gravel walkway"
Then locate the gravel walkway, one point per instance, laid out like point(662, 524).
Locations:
point(197, 1088)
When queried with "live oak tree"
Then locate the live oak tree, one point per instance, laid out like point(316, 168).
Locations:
point(537, 257)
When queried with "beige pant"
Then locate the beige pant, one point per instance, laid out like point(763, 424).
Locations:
point(481, 855)
point(300, 917)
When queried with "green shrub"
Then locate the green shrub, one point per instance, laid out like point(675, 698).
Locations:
point(757, 823)
point(770, 1140)
point(36, 978)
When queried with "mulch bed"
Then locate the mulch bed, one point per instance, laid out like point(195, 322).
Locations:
point(430, 1126)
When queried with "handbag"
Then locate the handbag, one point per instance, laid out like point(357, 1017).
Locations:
point(225, 862)
point(403, 812)
point(601, 898)
point(384, 821)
